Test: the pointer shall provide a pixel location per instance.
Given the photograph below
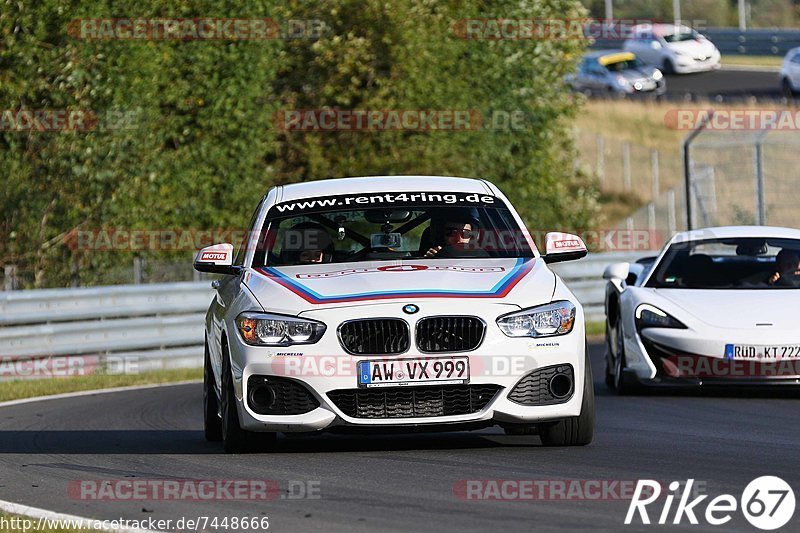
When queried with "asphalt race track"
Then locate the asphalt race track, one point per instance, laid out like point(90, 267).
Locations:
point(725, 85)
point(401, 483)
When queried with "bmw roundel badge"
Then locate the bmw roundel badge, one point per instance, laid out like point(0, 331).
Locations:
point(410, 309)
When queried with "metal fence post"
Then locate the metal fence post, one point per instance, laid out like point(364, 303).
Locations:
point(654, 165)
point(651, 217)
point(672, 219)
point(761, 212)
point(138, 270)
point(10, 281)
point(601, 163)
point(687, 167)
point(626, 165)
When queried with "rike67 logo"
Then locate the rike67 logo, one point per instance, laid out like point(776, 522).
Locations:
point(767, 502)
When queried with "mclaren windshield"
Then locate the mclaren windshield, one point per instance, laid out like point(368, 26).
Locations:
point(737, 263)
point(390, 226)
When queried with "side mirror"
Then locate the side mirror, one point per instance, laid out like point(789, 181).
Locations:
point(563, 247)
point(617, 271)
point(216, 259)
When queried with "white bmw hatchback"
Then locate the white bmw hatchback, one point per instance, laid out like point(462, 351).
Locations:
point(405, 302)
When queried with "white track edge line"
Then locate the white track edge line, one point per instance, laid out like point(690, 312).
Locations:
point(44, 514)
point(92, 392)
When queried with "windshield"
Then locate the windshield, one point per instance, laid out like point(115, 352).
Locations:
point(741, 263)
point(681, 36)
point(625, 65)
point(389, 226)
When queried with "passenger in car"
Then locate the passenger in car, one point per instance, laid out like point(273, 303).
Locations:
point(787, 272)
point(307, 243)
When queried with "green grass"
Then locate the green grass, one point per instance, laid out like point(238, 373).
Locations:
point(644, 127)
point(27, 388)
point(752, 61)
point(595, 330)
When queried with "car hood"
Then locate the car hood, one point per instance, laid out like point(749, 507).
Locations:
point(634, 75)
point(694, 47)
point(738, 309)
point(460, 281)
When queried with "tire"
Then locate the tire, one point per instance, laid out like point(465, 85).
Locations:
point(618, 379)
point(668, 67)
point(577, 430)
point(609, 373)
point(212, 422)
point(234, 438)
point(788, 90)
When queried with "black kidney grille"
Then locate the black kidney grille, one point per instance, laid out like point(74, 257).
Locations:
point(449, 333)
point(378, 336)
point(413, 402)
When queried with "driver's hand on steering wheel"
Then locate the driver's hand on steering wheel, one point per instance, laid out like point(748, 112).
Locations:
point(432, 251)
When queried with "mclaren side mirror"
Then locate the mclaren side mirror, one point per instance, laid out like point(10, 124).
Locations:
point(617, 271)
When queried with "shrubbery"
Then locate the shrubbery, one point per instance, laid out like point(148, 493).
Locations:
point(201, 144)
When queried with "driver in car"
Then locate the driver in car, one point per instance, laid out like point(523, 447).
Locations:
point(787, 269)
point(455, 233)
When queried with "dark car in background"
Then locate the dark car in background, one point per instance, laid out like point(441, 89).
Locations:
point(616, 73)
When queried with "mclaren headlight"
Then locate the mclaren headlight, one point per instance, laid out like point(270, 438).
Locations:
point(648, 316)
point(556, 318)
point(264, 329)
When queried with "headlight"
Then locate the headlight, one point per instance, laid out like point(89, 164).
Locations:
point(657, 75)
point(648, 316)
point(262, 329)
point(549, 320)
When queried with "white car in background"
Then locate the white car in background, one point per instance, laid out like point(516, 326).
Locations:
point(790, 73)
point(719, 306)
point(404, 302)
point(675, 49)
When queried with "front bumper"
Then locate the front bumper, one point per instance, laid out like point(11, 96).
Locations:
point(681, 360)
point(689, 65)
point(328, 373)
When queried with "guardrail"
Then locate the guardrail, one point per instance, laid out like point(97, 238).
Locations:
point(732, 41)
point(149, 326)
point(161, 325)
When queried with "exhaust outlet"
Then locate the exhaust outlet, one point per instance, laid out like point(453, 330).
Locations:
point(560, 386)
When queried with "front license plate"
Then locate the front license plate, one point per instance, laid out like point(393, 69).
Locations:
point(755, 352)
point(422, 371)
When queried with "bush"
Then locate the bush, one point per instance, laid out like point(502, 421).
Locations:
point(201, 146)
